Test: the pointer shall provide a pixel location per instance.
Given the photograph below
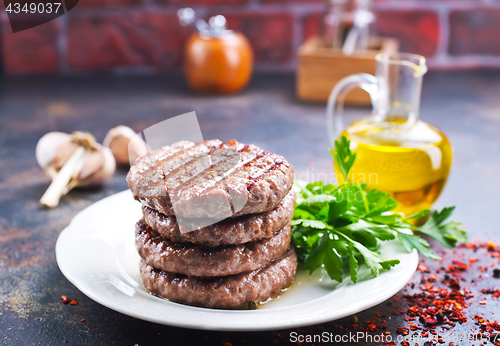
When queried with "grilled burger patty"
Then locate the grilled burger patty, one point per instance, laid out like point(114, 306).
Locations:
point(222, 292)
point(201, 261)
point(198, 178)
point(239, 230)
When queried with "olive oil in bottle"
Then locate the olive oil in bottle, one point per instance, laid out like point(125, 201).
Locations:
point(396, 152)
point(412, 165)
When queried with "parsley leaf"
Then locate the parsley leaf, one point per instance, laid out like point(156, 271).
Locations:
point(447, 234)
point(353, 265)
point(411, 242)
point(343, 156)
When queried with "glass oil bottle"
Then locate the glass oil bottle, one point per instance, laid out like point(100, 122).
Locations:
point(396, 152)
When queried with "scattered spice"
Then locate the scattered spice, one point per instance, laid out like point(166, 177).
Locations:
point(83, 320)
point(65, 299)
point(495, 292)
point(73, 302)
point(489, 329)
point(496, 273)
point(444, 302)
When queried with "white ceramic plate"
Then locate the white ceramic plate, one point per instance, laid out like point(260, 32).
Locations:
point(96, 252)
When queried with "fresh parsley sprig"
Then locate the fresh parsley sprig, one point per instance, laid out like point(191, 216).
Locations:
point(337, 227)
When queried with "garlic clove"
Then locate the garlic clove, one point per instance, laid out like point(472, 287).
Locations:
point(94, 161)
point(118, 141)
point(137, 148)
point(98, 167)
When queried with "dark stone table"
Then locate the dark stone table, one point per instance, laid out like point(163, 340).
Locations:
point(466, 106)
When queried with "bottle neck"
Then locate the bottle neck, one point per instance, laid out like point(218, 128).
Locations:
point(398, 98)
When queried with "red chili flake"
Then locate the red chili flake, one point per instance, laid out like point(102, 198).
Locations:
point(461, 265)
point(83, 320)
point(430, 320)
point(495, 292)
point(454, 284)
point(401, 330)
point(422, 269)
point(65, 299)
point(73, 302)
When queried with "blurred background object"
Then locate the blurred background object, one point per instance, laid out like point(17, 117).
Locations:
point(346, 47)
point(358, 35)
point(216, 60)
point(332, 23)
point(144, 36)
point(319, 68)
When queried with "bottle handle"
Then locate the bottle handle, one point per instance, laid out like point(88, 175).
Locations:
point(335, 109)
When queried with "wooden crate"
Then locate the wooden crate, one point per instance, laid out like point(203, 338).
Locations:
point(320, 68)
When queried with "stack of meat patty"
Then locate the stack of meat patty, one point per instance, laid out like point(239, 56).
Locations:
point(216, 229)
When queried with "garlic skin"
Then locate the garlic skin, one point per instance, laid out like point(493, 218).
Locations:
point(118, 140)
point(72, 160)
point(53, 150)
point(98, 167)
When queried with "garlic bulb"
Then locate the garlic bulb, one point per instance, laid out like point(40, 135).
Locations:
point(72, 160)
point(125, 151)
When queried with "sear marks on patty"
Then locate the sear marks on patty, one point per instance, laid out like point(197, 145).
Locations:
point(202, 261)
point(240, 230)
point(210, 179)
point(222, 292)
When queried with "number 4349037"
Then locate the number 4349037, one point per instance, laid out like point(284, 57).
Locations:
point(33, 7)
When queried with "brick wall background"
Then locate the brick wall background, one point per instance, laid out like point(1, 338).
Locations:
point(143, 36)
